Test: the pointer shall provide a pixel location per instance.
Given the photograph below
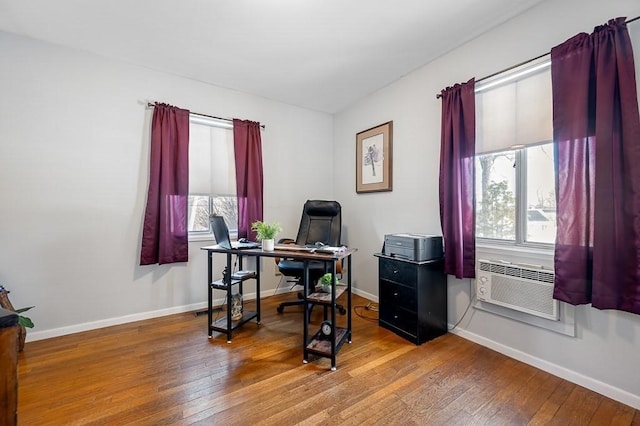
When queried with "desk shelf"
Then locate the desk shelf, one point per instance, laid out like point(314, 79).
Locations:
point(235, 279)
point(220, 325)
point(322, 298)
point(321, 346)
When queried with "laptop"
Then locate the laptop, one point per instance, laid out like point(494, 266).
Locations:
point(221, 232)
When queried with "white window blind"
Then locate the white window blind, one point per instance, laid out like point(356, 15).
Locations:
point(514, 108)
point(211, 162)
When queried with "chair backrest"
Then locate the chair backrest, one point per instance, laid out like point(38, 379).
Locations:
point(321, 222)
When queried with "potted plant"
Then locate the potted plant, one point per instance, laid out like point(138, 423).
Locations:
point(266, 232)
point(22, 320)
point(325, 282)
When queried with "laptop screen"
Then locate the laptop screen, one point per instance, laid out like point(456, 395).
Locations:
point(221, 232)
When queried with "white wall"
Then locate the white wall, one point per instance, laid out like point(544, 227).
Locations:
point(73, 175)
point(604, 355)
point(74, 151)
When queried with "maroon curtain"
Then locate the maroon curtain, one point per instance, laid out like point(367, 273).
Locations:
point(597, 145)
point(164, 233)
point(249, 183)
point(457, 196)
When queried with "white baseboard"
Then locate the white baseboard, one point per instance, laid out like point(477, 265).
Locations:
point(562, 372)
point(33, 336)
point(364, 294)
point(77, 328)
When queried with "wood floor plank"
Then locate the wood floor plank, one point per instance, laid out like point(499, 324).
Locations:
point(165, 371)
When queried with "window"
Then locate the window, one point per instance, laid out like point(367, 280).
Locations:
point(212, 177)
point(515, 195)
point(515, 185)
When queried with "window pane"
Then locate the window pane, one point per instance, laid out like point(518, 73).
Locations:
point(227, 206)
point(541, 196)
point(198, 213)
point(495, 196)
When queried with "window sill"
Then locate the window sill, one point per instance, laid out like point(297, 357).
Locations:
point(203, 237)
point(209, 237)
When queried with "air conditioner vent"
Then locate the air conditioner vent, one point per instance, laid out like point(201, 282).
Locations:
point(526, 289)
point(497, 269)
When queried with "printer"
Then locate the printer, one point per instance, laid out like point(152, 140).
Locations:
point(414, 247)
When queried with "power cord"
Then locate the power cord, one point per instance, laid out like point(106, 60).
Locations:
point(360, 309)
point(471, 300)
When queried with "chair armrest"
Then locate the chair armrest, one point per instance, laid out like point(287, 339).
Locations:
point(283, 241)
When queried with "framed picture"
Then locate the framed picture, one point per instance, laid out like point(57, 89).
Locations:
point(373, 159)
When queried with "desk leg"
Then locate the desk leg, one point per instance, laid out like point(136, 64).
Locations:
point(333, 316)
point(349, 298)
point(305, 334)
point(227, 278)
point(210, 294)
point(258, 267)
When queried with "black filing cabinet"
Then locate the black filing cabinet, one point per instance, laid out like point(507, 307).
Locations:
point(412, 298)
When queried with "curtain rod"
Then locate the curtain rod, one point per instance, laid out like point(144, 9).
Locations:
point(153, 104)
point(439, 95)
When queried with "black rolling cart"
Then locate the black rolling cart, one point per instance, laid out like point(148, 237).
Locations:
point(412, 297)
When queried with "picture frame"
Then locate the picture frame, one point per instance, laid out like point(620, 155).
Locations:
point(374, 161)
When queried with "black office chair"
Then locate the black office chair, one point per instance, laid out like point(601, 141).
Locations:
point(321, 222)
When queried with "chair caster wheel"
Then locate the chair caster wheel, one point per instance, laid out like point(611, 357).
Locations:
point(280, 309)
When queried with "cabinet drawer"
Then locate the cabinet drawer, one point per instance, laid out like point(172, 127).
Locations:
point(398, 271)
point(399, 295)
point(400, 318)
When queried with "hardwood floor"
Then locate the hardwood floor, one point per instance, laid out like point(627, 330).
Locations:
point(166, 371)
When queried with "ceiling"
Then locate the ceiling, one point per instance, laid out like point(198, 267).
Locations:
point(317, 54)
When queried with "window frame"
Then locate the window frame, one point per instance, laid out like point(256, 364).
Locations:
point(519, 244)
point(521, 204)
point(233, 229)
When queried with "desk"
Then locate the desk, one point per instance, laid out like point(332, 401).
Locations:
point(313, 344)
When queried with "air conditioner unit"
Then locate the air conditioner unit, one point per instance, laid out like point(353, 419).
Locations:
point(523, 288)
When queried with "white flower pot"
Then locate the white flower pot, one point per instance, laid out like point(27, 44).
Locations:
point(268, 245)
